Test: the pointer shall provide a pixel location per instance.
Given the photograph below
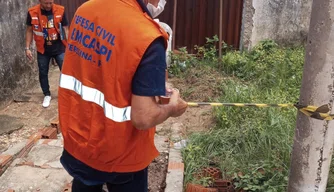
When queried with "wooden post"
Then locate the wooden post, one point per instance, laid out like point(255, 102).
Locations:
point(220, 27)
point(174, 24)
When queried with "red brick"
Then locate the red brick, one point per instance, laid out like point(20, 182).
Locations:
point(5, 159)
point(35, 137)
point(226, 189)
point(50, 133)
point(55, 124)
point(30, 143)
point(224, 185)
point(199, 188)
point(175, 165)
point(213, 172)
point(23, 153)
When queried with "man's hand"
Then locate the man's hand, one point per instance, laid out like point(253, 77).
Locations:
point(29, 54)
point(179, 105)
point(146, 113)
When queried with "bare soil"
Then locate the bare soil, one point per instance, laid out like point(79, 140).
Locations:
point(157, 173)
point(198, 85)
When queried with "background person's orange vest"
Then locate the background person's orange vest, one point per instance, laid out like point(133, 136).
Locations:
point(106, 43)
point(39, 21)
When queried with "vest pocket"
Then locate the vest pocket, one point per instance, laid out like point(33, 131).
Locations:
point(35, 21)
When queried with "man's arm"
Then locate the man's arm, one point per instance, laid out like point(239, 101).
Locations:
point(64, 23)
point(146, 113)
point(149, 82)
point(29, 37)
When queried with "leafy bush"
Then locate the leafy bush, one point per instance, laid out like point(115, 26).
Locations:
point(268, 66)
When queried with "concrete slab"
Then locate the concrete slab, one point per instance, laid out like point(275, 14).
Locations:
point(9, 124)
point(175, 155)
point(16, 162)
point(26, 178)
point(55, 164)
point(16, 148)
point(51, 142)
point(160, 143)
point(43, 154)
point(174, 181)
point(175, 174)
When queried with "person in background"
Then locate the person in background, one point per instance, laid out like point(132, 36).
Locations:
point(155, 7)
point(107, 96)
point(47, 25)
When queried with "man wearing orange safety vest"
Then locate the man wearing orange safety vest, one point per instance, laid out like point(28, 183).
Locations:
point(114, 68)
point(47, 25)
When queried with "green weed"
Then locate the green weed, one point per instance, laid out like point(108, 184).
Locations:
point(251, 145)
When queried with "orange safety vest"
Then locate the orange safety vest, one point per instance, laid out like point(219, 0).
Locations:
point(40, 21)
point(104, 50)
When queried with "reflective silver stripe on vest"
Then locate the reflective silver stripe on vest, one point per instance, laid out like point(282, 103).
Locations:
point(95, 96)
point(38, 33)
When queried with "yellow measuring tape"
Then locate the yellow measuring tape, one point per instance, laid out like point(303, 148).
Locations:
point(321, 113)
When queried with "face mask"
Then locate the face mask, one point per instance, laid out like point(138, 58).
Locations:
point(155, 11)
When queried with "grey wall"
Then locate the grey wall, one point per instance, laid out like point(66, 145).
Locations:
point(285, 21)
point(16, 73)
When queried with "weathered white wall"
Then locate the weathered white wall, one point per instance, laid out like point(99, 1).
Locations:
point(15, 70)
point(285, 21)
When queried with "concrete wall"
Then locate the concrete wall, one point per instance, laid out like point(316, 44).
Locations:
point(285, 21)
point(16, 73)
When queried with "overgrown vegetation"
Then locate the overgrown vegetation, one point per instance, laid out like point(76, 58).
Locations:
point(251, 145)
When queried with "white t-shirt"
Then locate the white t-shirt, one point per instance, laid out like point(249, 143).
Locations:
point(155, 11)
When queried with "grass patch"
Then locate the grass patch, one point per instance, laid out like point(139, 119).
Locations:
point(246, 139)
point(251, 145)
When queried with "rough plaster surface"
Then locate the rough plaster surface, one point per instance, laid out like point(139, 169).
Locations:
point(247, 24)
point(285, 21)
point(15, 71)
